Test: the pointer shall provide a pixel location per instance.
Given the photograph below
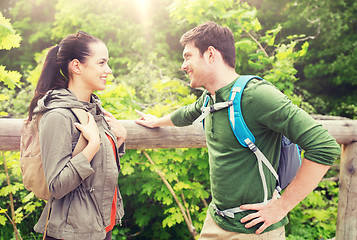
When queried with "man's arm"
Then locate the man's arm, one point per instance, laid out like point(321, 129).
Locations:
point(152, 121)
point(306, 180)
point(276, 112)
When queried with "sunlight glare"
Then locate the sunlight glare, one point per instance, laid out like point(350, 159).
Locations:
point(143, 10)
point(142, 2)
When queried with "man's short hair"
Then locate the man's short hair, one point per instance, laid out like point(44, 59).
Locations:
point(211, 34)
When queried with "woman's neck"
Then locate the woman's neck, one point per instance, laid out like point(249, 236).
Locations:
point(80, 92)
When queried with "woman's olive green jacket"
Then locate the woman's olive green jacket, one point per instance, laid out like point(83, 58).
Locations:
point(82, 191)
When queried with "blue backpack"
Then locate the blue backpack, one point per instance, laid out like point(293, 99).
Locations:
point(290, 155)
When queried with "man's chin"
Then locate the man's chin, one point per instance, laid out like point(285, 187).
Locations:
point(193, 84)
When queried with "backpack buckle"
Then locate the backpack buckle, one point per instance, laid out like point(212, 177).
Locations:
point(218, 212)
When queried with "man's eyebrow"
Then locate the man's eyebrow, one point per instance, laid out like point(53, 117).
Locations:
point(186, 54)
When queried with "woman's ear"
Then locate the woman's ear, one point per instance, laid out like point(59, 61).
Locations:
point(75, 67)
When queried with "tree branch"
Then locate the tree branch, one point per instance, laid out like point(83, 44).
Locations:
point(191, 228)
point(12, 206)
point(254, 39)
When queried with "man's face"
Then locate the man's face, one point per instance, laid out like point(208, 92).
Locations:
point(195, 65)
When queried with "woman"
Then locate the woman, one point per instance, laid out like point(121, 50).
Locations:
point(85, 200)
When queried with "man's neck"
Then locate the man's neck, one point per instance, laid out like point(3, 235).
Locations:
point(222, 79)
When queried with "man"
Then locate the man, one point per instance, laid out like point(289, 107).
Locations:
point(209, 60)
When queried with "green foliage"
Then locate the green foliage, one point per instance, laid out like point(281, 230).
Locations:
point(9, 78)
point(32, 20)
point(27, 207)
point(327, 71)
point(186, 170)
point(8, 39)
point(145, 56)
point(331, 63)
point(315, 217)
point(148, 87)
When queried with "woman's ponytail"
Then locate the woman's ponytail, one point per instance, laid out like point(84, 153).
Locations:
point(48, 79)
point(55, 73)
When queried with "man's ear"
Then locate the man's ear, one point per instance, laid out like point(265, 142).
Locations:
point(75, 66)
point(211, 53)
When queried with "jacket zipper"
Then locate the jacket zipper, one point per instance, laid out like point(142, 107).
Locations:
point(91, 190)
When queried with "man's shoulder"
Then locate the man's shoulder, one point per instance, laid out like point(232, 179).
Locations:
point(261, 89)
point(259, 84)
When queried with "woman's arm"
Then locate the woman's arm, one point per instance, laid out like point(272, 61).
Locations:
point(91, 133)
point(63, 172)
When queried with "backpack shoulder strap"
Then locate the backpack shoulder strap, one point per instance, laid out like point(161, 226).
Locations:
point(239, 127)
point(83, 119)
point(205, 102)
point(81, 115)
point(205, 111)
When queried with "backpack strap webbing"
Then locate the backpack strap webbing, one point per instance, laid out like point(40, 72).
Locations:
point(83, 119)
point(211, 109)
point(48, 217)
point(262, 159)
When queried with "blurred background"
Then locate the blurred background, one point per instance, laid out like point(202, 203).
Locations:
point(307, 48)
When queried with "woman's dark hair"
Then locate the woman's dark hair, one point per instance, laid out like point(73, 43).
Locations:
point(55, 72)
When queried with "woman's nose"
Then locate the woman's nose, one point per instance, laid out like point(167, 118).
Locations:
point(108, 70)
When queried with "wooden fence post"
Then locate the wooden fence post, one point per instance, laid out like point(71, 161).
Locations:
point(347, 207)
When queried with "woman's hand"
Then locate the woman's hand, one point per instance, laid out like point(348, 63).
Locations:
point(91, 133)
point(117, 128)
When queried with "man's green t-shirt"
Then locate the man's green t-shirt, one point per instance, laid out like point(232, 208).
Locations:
point(234, 174)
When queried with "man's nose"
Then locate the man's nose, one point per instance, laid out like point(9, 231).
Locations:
point(184, 66)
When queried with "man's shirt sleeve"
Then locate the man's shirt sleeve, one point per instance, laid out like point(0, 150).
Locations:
point(186, 115)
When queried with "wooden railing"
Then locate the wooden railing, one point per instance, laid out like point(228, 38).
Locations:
point(344, 131)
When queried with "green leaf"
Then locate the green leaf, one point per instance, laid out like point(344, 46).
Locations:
point(8, 38)
point(2, 220)
point(180, 185)
point(272, 33)
point(304, 49)
point(175, 217)
point(9, 78)
point(127, 169)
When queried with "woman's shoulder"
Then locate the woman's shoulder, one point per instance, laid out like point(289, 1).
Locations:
point(58, 112)
point(59, 116)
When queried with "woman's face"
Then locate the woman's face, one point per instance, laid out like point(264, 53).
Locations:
point(95, 70)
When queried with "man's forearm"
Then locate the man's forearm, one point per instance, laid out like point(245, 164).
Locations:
point(306, 180)
point(164, 121)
